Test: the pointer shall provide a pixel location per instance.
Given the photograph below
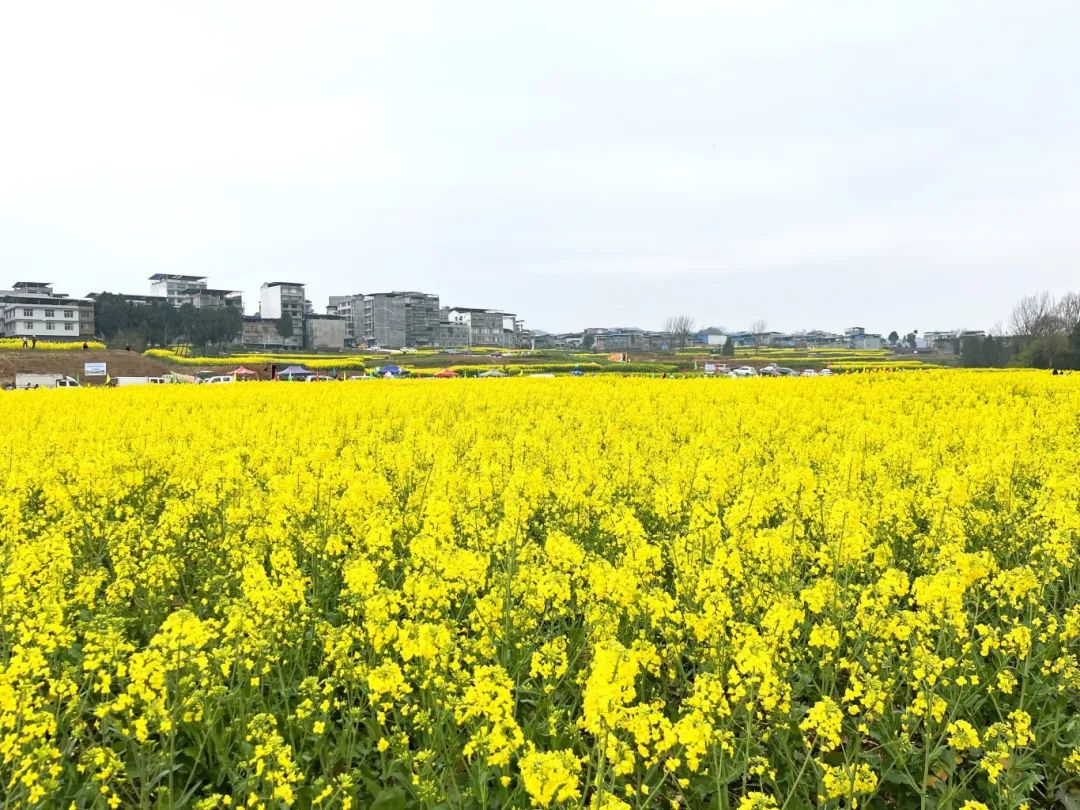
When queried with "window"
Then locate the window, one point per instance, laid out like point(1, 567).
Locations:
point(28, 325)
point(49, 313)
point(51, 325)
point(28, 313)
point(69, 313)
point(69, 327)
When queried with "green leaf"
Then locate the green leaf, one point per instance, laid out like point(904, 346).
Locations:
point(1068, 800)
point(391, 798)
point(899, 778)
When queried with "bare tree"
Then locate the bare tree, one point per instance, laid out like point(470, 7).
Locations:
point(1035, 316)
point(757, 329)
point(1068, 312)
point(680, 327)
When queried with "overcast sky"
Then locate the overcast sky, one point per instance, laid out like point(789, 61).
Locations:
point(900, 165)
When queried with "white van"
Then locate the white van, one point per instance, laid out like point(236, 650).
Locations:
point(221, 378)
point(119, 381)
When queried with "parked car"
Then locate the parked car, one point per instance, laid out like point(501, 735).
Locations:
point(745, 371)
point(826, 372)
point(809, 372)
point(769, 371)
point(220, 378)
point(787, 372)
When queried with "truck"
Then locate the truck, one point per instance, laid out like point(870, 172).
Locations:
point(28, 380)
point(117, 381)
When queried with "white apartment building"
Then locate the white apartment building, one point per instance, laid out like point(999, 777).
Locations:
point(175, 287)
point(31, 309)
point(279, 298)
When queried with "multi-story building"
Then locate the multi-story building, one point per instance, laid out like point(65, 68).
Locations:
point(397, 319)
point(205, 298)
point(174, 286)
point(452, 333)
point(261, 332)
point(278, 298)
point(351, 309)
point(487, 327)
point(325, 332)
point(31, 309)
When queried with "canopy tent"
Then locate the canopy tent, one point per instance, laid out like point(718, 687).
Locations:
point(244, 372)
point(390, 369)
point(493, 372)
point(294, 371)
point(447, 373)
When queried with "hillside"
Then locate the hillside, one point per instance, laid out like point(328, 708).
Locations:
point(119, 363)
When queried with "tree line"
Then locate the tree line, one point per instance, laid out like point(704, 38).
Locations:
point(1045, 333)
point(161, 324)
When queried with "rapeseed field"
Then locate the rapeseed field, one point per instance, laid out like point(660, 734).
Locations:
point(861, 591)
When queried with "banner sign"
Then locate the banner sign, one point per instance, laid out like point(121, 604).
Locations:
point(94, 369)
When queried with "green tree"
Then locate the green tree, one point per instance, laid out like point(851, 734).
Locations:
point(893, 337)
point(729, 348)
point(1074, 347)
point(285, 326)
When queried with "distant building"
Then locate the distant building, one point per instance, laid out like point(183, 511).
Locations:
point(625, 339)
point(325, 332)
point(817, 339)
point(261, 333)
point(173, 286)
point(204, 298)
point(709, 337)
point(452, 334)
point(743, 338)
point(949, 341)
point(854, 331)
point(486, 327)
point(864, 341)
point(278, 298)
point(31, 309)
point(351, 308)
point(394, 320)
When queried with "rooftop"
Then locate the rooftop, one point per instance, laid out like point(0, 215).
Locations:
point(206, 290)
point(175, 277)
